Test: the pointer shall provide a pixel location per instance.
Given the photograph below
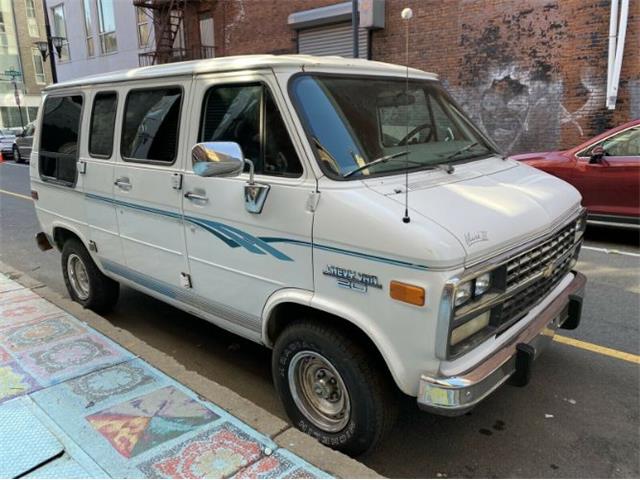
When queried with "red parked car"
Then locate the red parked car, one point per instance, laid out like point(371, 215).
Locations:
point(606, 171)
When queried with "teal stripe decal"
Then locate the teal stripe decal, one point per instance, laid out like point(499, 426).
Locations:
point(235, 238)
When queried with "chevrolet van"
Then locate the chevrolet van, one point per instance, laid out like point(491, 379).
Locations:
point(345, 213)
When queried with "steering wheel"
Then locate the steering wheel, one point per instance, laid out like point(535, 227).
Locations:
point(416, 130)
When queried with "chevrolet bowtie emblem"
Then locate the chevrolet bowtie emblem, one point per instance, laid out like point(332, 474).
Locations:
point(548, 270)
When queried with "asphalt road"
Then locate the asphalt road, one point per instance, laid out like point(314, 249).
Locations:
point(579, 417)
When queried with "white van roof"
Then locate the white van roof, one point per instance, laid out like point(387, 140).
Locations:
point(243, 62)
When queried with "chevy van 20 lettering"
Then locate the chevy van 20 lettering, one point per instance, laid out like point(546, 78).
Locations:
point(344, 213)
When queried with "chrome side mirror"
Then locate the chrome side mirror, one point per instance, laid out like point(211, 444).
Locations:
point(225, 159)
point(217, 159)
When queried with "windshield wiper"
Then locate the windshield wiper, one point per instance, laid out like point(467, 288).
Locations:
point(377, 161)
point(447, 167)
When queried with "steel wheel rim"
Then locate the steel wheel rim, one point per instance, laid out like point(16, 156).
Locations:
point(319, 391)
point(78, 276)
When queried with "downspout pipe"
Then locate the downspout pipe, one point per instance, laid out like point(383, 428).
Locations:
point(613, 33)
point(617, 64)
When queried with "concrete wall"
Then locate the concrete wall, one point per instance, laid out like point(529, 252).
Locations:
point(80, 64)
point(531, 73)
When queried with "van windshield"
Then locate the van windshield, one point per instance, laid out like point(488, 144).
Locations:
point(354, 121)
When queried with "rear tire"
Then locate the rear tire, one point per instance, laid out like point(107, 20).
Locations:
point(86, 284)
point(16, 154)
point(333, 388)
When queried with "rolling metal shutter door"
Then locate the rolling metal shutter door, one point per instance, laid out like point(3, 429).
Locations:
point(332, 40)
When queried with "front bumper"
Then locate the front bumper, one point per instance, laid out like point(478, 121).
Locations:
point(456, 395)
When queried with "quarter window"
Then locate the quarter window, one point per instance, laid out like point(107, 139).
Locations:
point(103, 119)
point(59, 138)
point(150, 126)
point(248, 115)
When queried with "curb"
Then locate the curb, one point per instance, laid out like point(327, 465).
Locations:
point(306, 447)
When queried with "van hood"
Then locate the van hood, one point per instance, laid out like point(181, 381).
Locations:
point(489, 205)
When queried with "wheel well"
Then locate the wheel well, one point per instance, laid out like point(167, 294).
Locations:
point(286, 314)
point(61, 235)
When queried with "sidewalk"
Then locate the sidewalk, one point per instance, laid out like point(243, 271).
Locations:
point(74, 404)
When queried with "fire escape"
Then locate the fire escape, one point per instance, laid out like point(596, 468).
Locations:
point(177, 36)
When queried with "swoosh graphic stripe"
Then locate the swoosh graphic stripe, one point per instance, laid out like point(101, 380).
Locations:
point(234, 237)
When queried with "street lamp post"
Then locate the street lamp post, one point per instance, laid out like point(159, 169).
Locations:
point(52, 44)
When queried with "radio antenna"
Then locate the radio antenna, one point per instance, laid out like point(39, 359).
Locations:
point(406, 14)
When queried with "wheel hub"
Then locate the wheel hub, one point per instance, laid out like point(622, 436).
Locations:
point(319, 391)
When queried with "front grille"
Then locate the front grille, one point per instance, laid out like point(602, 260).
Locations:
point(550, 261)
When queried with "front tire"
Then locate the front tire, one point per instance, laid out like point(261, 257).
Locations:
point(333, 388)
point(86, 284)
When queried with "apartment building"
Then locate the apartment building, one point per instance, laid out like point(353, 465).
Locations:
point(101, 35)
point(23, 73)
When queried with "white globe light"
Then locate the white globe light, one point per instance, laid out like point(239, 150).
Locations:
point(407, 13)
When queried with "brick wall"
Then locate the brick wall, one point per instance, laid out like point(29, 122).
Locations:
point(531, 73)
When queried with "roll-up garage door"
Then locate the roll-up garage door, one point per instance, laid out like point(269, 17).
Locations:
point(332, 40)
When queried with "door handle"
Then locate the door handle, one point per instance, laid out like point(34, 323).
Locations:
point(193, 196)
point(123, 183)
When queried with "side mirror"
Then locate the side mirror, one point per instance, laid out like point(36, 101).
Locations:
point(217, 159)
point(597, 154)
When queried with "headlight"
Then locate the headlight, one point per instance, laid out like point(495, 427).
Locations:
point(464, 292)
point(483, 282)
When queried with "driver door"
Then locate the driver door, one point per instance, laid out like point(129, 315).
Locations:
point(611, 185)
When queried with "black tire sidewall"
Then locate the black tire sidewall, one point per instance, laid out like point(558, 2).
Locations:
point(361, 430)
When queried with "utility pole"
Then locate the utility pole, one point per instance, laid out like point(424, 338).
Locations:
point(355, 22)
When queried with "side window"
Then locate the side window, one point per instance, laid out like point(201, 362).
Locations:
point(247, 114)
point(103, 119)
point(150, 125)
point(59, 138)
point(623, 144)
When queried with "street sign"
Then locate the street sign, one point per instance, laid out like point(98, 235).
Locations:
point(12, 73)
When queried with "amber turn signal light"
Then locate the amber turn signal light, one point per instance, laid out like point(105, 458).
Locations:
point(407, 293)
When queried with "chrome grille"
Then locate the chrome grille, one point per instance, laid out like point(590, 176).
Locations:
point(529, 264)
point(548, 263)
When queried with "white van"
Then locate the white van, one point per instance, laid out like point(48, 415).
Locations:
point(351, 219)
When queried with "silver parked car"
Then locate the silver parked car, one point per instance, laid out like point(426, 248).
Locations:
point(7, 143)
point(23, 143)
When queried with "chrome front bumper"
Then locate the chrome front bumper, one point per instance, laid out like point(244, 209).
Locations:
point(456, 395)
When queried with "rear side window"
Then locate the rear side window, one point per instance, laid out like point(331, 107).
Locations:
point(150, 126)
point(59, 138)
point(248, 115)
point(103, 119)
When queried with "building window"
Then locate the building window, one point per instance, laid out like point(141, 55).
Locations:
point(38, 66)
point(143, 27)
point(207, 36)
point(60, 30)
point(107, 17)
point(32, 21)
point(88, 27)
point(4, 41)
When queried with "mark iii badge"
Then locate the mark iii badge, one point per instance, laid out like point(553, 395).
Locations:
point(358, 281)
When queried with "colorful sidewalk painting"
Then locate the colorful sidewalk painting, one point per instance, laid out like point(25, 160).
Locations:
point(114, 414)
